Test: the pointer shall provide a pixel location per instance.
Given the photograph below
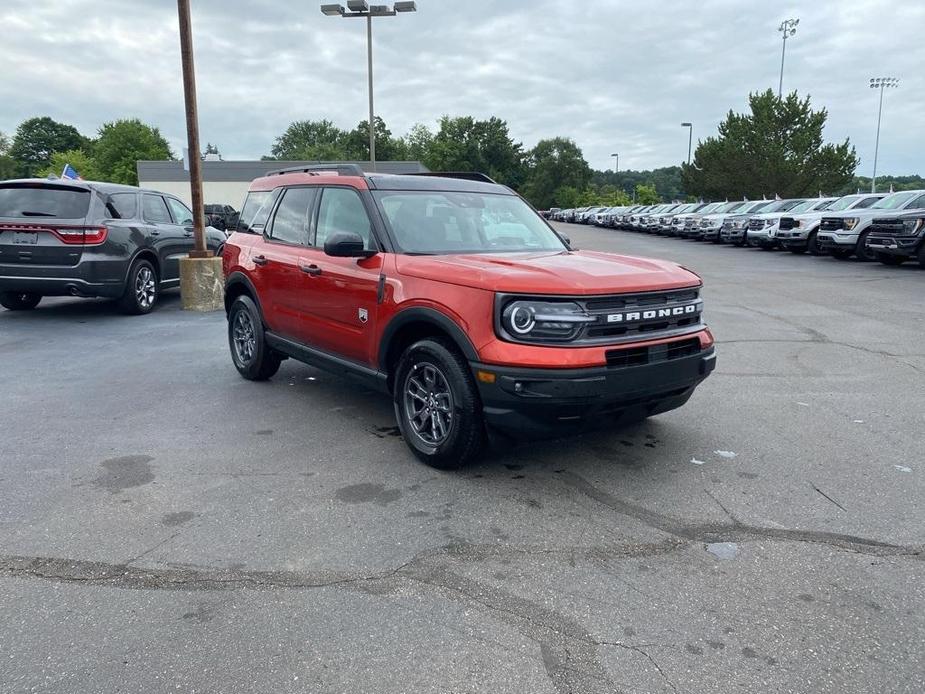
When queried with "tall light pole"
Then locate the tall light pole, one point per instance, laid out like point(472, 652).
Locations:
point(192, 131)
point(787, 28)
point(361, 8)
point(880, 83)
point(616, 166)
point(690, 139)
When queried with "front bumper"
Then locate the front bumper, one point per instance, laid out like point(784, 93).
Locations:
point(899, 246)
point(542, 403)
point(837, 240)
point(762, 237)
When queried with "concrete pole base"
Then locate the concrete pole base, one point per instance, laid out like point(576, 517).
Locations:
point(202, 284)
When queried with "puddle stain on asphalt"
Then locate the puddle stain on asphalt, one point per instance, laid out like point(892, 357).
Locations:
point(723, 550)
point(366, 493)
point(172, 520)
point(125, 472)
point(385, 432)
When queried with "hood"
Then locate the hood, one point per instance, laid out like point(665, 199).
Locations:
point(866, 213)
point(567, 272)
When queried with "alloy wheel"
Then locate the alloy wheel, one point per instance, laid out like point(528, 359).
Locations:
point(244, 338)
point(428, 403)
point(144, 287)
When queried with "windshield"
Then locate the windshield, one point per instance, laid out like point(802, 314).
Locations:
point(807, 206)
point(433, 223)
point(843, 203)
point(43, 200)
point(893, 202)
point(710, 208)
point(759, 206)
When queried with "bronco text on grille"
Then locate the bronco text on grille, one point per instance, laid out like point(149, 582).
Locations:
point(652, 315)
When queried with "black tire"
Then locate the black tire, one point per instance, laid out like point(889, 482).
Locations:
point(141, 289)
point(888, 259)
point(862, 252)
point(812, 245)
point(921, 255)
point(741, 243)
point(842, 254)
point(19, 301)
point(250, 353)
point(797, 250)
point(432, 371)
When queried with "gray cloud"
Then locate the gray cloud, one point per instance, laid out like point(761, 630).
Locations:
point(615, 77)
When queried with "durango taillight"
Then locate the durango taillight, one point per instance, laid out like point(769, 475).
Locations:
point(77, 235)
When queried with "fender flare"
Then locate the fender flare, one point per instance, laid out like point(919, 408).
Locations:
point(421, 314)
point(239, 278)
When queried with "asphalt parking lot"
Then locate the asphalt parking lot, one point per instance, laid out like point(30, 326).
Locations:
point(167, 526)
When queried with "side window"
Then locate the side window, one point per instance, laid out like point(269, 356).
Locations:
point(122, 205)
point(155, 210)
point(917, 204)
point(182, 215)
point(291, 221)
point(342, 210)
point(865, 203)
point(256, 210)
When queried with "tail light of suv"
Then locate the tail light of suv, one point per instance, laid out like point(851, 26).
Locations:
point(70, 235)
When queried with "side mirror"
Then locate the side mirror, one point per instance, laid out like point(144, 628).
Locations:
point(346, 244)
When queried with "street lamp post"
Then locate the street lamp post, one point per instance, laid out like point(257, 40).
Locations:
point(616, 166)
point(880, 83)
point(361, 8)
point(690, 139)
point(787, 28)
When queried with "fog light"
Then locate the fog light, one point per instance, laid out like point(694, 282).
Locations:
point(518, 387)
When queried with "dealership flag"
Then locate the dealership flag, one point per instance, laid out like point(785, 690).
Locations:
point(71, 173)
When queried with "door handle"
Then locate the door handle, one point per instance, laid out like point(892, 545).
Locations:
point(312, 270)
point(260, 260)
point(155, 232)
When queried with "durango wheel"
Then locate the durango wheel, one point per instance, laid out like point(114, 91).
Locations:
point(141, 291)
point(437, 405)
point(19, 301)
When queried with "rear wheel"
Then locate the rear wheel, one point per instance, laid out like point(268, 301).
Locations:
point(437, 405)
point(19, 301)
point(252, 356)
point(141, 290)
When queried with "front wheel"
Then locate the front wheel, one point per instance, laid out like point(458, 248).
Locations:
point(19, 301)
point(862, 251)
point(842, 254)
point(437, 405)
point(812, 245)
point(252, 356)
point(888, 259)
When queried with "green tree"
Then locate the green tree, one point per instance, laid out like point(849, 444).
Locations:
point(83, 163)
point(466, 144)
point(667, 180)
point(312, 140)
point(8, 166)
point(36, 139)
point(777, 148)
point(418, 142)
point(356, 143)
point(556, 168)
point(121, 144)
point(646, 194)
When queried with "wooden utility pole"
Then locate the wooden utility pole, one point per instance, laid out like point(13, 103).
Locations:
point(192, 130)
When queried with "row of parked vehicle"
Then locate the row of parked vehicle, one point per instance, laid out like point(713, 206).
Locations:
point(889, 227)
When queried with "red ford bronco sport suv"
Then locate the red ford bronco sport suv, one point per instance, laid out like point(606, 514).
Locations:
point(453, 295)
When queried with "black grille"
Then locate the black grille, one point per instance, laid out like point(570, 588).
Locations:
point(657, 303)
point(787, 223)
point(756, 224)
point(830, 224)
point(887, 226)
point(640, 356)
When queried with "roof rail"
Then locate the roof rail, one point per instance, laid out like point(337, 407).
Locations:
point(464, 175)
point(318, 169)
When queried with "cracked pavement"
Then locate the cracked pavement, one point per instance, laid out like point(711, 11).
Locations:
point(168, 526)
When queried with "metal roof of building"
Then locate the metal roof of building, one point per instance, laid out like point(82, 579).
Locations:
point(218, 171)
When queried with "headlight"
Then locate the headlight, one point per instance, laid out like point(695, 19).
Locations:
point(543, 321)
point(850, 223)
point(913, 227)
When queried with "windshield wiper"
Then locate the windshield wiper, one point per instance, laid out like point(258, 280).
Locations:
point(27, 213)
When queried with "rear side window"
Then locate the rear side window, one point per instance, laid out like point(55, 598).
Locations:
point(122, 205)
point(342, 210)
point(155, 210)
point(917, 204)
point(256, 210)
point(866, 202)
point(44, 201)
point(291, 221)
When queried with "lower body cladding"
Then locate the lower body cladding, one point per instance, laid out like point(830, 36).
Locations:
point(103, 279)
point(712, 234)
point(736, 236)
point(524, 403)
point(761, 239)
point(836, 242)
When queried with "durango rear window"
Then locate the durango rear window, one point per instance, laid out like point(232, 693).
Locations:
point(43, 201)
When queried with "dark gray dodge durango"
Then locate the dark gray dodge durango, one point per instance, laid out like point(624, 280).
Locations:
point(80, 238)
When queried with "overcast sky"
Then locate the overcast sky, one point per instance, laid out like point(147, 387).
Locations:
point(614, 76)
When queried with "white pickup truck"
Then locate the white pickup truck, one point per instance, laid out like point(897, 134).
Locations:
point(797, 232)
point(844, 234)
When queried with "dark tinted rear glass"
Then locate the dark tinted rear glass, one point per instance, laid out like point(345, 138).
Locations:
point(40, 201)
point(122, 205)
